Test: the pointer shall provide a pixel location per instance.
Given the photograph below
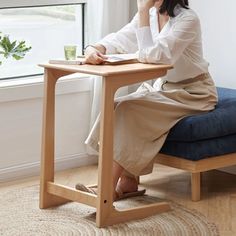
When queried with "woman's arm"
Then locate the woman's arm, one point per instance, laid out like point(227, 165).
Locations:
point(143, 12)
point(123, 41)
point(169, 47)
point(166, 48)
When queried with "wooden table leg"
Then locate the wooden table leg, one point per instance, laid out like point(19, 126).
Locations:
point(105, 164)
point(106, 213)
point(47, 159)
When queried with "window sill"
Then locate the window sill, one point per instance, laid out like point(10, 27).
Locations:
point(30, 88)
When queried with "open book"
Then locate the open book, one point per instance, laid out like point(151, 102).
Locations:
point(116, 59)
point(79, 61)
point(113, 59)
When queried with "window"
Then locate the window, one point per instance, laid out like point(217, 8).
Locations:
point(46, 26)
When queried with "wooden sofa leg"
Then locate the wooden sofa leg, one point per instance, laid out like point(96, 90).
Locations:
point(138, 179)
point(196, 186)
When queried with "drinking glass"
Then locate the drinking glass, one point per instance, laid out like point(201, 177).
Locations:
point(70, 52)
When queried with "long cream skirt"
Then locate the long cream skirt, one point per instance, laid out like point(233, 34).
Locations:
point(144, 118)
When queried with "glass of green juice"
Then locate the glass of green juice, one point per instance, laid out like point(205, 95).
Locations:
point(70, 52)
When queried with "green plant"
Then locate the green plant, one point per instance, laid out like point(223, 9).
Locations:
point(15, 49)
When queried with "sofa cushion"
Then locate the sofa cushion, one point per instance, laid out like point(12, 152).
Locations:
point(201, 149)
point(217, 123)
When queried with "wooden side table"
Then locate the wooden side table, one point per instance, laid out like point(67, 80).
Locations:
point(52, 194)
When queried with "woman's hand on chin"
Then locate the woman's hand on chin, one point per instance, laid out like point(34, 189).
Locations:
point(145, 5)
point(143, 10)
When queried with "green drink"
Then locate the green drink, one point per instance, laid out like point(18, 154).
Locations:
point(70, 52)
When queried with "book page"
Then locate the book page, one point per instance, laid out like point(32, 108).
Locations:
point(116, 58)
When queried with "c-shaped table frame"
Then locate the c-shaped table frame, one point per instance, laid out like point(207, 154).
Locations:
point(52, 194)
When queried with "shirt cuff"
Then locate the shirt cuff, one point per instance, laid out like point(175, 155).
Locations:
point(144, 37)
point(109, 48)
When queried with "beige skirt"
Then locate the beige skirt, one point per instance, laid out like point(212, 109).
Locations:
point(144, 118)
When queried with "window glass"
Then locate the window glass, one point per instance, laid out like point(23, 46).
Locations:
point(46, 30)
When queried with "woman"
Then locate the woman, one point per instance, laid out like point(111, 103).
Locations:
point(163, 31)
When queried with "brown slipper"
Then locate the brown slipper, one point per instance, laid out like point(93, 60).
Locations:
point(122, 195)
point(86, 189)
point(119, 194)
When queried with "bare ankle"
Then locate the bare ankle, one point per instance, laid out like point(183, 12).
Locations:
point(127, 184)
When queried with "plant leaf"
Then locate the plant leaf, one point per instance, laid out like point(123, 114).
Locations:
point(14, 49)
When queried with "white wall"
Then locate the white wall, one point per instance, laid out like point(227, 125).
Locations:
point(133, 8)
point(21, 126)
point(219, 37)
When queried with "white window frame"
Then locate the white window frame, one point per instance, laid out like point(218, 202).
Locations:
point(12, 89)
point(33, 3)
point(9, 4)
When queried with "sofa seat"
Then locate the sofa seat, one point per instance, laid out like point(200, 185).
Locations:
point(206, 135)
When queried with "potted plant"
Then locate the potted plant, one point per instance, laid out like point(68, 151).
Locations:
point(12, 49)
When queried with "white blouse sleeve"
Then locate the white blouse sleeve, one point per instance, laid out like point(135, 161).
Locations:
point(168, 47)
point(123, 41)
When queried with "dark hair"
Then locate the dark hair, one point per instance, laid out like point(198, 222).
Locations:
point(169, 6)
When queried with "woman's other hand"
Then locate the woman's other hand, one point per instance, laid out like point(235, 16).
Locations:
point(145, 5)
point(95, 55)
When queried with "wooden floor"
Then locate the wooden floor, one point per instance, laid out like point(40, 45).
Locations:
point(218, 190)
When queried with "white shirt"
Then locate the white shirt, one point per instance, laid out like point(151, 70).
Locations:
point(179, 43)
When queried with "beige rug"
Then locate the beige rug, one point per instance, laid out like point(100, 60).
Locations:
point(20, 216)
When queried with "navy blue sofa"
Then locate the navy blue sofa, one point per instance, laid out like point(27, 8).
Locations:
point(202, 142)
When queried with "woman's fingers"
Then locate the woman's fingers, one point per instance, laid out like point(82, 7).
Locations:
point(95, 59)
point(102, 56)
point(98, 59)
point(93, 56)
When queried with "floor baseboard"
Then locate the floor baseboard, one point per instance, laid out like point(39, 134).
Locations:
point(33, 169)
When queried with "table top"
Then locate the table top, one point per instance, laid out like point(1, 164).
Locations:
point(107, 70)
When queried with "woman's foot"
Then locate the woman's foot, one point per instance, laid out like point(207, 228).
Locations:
point(127, 184)
point(127, 187)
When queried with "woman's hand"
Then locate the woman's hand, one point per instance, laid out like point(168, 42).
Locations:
point(145, 5)
point(143, 10)
point(94, 56)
